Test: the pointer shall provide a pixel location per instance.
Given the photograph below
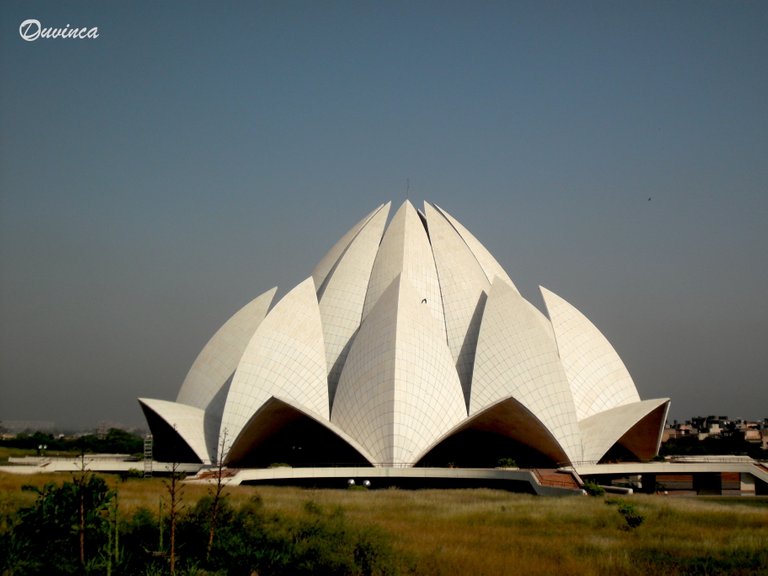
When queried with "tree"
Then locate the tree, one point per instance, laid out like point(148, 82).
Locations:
point(79, 481)
point(217, 493)
point(64, 531)
point(113, 543)
point(176, 493)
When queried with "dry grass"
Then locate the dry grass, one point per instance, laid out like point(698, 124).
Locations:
point(8, 452)
point(493, 532)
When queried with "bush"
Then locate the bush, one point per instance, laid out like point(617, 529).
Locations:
point(140, 542)
point(43, 538)
point(131, 473)
point(593, 488)
point(631, 516)
point(249, 540)
point(47, 537)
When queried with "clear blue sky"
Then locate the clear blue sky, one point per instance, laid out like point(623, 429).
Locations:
point(155, 179)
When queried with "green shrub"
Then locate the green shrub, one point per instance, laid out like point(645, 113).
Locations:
point(593, 488)
point(131, 473)
point(49, 534)
point(249, 540)
point(140, 542)
point(631, 516)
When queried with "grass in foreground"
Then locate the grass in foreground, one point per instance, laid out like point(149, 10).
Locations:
point(491, 532)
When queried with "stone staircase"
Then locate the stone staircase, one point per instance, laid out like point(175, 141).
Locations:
point(557, 478)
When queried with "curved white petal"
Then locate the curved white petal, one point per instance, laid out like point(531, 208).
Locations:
point(219, 357)
point(598, 378)
point(405, 251)
point(342, 299)
point(275, 414)
point(603, 430)
point(511, 419)
point(285, 357)
point(327, 262)
point(464, 287)
point(517, 359)
point(486, 260)
point(399, 390)
point(187, 421)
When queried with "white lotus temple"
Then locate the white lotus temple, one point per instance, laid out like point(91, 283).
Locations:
point(408, 346)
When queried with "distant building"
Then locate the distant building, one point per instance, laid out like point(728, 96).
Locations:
point(703, 427)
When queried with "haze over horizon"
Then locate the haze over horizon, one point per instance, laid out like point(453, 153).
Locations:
point(155, 179)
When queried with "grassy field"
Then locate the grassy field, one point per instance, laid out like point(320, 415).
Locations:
point(6, 452)
point(494, 532)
